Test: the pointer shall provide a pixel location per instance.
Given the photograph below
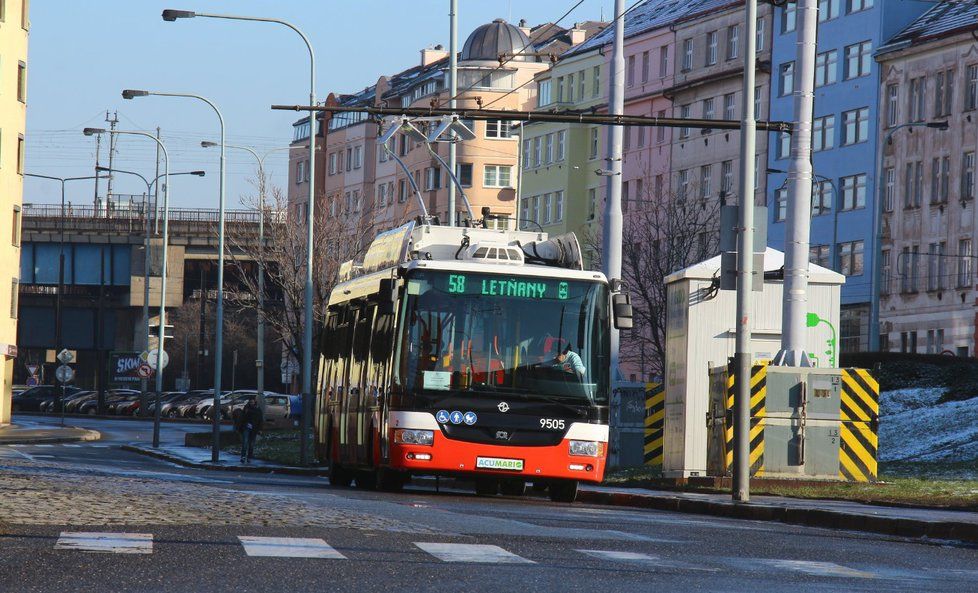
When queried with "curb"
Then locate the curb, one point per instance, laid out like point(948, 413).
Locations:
point(810, 517)
point(255, 469)
point(89, 435)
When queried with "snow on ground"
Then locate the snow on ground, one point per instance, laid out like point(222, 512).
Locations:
point(915, 427)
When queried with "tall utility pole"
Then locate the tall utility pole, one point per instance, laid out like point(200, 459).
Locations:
point(745, 267)
point(156, 191)
point(112, 121)
point(799, 195)
point(98, 153)
point(452, 89)
point(611, 241)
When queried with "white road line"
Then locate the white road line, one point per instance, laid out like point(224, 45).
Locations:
point(620, 556)
point(819, 569)
point(483, 553)
point(117, 543)
point(289, 547)
point(45, 445)
point(72, 446)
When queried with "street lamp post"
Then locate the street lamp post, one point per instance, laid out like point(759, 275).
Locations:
point(61, 269)
point(146, 259)
point(874, 299)
point(260, 358)
point(172, 15)
point(166, 242)
point(219, 313)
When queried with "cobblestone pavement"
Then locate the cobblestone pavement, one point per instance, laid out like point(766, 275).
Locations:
point(46, 493)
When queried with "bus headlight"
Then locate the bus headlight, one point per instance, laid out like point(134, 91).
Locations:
point(584, 448)
point(407, 436)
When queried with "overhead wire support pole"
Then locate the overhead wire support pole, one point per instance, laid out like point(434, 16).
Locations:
point(453, 91)
point(745, 268)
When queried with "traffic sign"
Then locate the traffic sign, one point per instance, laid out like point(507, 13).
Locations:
point(144, 371)
point(32, 381)
point(32, 369)
point(66, 356)
point(65, 373)
point(164, 358)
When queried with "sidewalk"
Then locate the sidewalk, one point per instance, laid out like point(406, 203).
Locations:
point(834, 514)
point(28, 432)
point(200, 458)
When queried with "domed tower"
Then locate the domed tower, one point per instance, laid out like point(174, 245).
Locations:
point(488, 42)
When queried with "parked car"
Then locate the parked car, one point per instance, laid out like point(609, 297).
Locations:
point(171, 409)
point(276, 408)
point(71, 407)
point(31, 399)
point(228, 402)
point(52, 405)
point(165, 398)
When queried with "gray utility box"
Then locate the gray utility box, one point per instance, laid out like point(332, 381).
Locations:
point(627, 430)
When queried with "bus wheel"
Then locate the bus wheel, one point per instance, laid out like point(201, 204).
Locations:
point(339, 475)
point(486, 486)
point(563, 491)
point(513, 487)
point(366, 480)
point(389, 480)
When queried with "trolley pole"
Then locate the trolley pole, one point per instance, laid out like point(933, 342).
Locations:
point(745, 268)
point(452, 90)
point(611, 241)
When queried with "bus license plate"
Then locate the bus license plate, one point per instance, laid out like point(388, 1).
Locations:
point(515, 465)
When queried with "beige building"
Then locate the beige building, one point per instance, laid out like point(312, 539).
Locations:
point(14, 26)
point(708, 84)
point(929, 73)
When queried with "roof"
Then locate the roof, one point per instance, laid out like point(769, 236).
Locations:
point(942, 20)
point(489, 41)
point(773, 260)
point(648, 16)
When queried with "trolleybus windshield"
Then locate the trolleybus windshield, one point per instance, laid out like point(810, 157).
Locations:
point(469, 333)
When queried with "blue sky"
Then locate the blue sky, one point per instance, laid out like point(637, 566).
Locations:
point(82, 54)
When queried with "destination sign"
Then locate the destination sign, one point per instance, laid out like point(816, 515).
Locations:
point(503, 286)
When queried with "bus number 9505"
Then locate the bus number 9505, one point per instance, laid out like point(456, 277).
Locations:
point(551, 424)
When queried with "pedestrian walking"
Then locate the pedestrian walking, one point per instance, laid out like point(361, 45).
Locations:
point(249, 426)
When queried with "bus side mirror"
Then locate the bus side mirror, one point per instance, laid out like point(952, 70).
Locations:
point(387, 296)
point(621, 307)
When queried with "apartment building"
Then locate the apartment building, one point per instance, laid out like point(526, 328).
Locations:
point(929, 75)
point(14, 27)
point(844, 143)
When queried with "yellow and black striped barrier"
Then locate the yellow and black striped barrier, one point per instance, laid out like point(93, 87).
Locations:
point(859, 414)
point(758, 393)
point(655, 414)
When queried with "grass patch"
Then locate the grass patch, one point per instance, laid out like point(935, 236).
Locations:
point(281, 446)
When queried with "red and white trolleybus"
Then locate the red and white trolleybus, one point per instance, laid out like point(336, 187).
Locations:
point(473, 352)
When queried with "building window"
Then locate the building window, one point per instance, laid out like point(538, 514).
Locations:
point(547, 208)
point(892, 104)
point(357, 157)
point(733, 42)
point(548, 152)
point(349, 159)
point(827, 9)
point(402, 151)
point(913, 185)
point(560, 90)
point(708, 110)
point(726, 177)
point(851, 258)
point(24, 9)
point(729, 106)
point(940, 179)
point(624, 196)
point(15, 231)
point(706, 181)
point(22, 82)
point(497, 128)
point(789, 18)
point(660, 131)
point(855, 126)
point(784, 145)
point(933, 254)
point(819, 255)
point(580, 85)
point(823, 133)
point(561, 145)
point(943, 93)
point(712, 38)
point(663, 61)
point(592, 203)
point(821, 198)
point(687, 55)
point(682, 187)
point(14, 296)
point(300, 171)
point(915, 101)
point(971, 94)
point(527, 146)
point(381, 195)
point(464, 174)
point(780, 204)
point(658, 185)
point(630, 72)
point(826, 67)
point(402, 190)
point(626, 139)
point(496, 176)
point(558, 206)
point(859, 59)
point(757, 102)
point(853, 192)
point(968, 176)
point(759, 35)
point(570, 87)
point(859, 5)
point(645, 67)
point(432, 178)
point(885, 271)
point(787, 79)
point(889, 193)
point(535, 209)
point(965, 263)
point(544, 88)
point(596, 82)
point(640, 143)
point(537, 151)
point(684, 114)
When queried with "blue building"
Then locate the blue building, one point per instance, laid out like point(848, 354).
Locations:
point(844, 141)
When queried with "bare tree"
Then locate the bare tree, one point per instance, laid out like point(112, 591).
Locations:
point(338, 238)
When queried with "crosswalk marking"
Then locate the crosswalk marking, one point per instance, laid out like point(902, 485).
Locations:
point(117, 543)
point(483, 553)
point(622, 556)
point(819, 569)
point(288, 547)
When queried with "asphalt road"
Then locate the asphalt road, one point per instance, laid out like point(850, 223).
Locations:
point(415, 541)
